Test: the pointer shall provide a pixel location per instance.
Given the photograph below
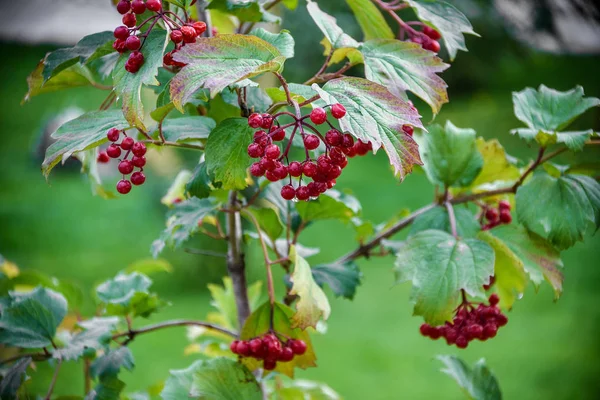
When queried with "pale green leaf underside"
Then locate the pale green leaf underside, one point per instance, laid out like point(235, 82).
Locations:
point(478, 382)
point(331, 205)
point(224, 379)
point(187, 128)
point(437, 218)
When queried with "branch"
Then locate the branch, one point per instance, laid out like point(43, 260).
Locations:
point(132, 333)
point(174, 144)
point(53, 382)
point(34, 357)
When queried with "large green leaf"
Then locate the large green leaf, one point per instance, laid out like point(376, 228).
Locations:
point(439, 266)
point(283, 41)
point(448, 20)
point(109, 364)
point(478, 383)
point(128, 86)
point(370, 19)
point(343, 279)
point(328, 25)
point(244, 10)
point(84, 132)
point(224, 379)
point(497, 166)
point(217, 62)
point(437, 218)
point(182, 222)
point(29, 320)
point(259, 323)
point(313, 304)
point(13, 378)
point(300, 389)
point(269, 222)
point(375, 115)
point(226, 153)
point(546, 112)
point(95, 337)
point(561, 209)
point(75, 76)
point(187, 128)
point(107, 389)
point(405, 66)
point(450, 155)
point(128, 294)
point(223, 299)
point(200, 184)
point(331, 205)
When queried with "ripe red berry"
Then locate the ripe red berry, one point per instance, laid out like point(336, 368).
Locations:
point(243, 348)
point(138, 6)
point(113, 151)
point(269, 365)
point(491, 214)
point(424, 329)
point(280, 170)
point(271, 176)
point(154, 5)
point(125, 167)
point(257, 170)
point(262, 139)
point(505, 216)
point(337, 156)
point(278, 135)
point(199, 27)
point(255, 150)
point(489, 285)
point(257, 348)
point(121, 32)
point(338, 111)
point(318, 116)
point(362, 148)
point(490, 330)
point(501, 320)
point(267, 121)
point(133, 43)
point(311, 142)
point(295, 169)
point(176, 36)
point(139, 149)
point(462, 342)
point(123, 7)
point(494, 299)
point(432, 45)
point(119, 45)
point(504, 205)
point(129, 20)
point(297, 346)
point(127, 143)
point(286, 355)
point(255, 120)
point(432, 33)
point(348, 141)
point(113, 134)
point(138, 178)
point(309, 169)
point(475, 331)
point(272, 151)
point(103, 157)
point(267, 164)
point(288, 192)
point(435, 333)
point(333, 137)
point(233, 346)
point(189, 34)
point(408, 129)
point(139, 161)
point(123, 186)
point(302, 193)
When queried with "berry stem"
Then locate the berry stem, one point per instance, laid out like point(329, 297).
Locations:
point(286, 89)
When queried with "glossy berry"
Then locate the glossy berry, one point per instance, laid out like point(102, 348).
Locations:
point(138, 178)
point(121, 32)
point(127, 143)
point(494, 299)
point(257, 170)
point(462, 342)
point(233, 346)
point(504, 205)
point(309, 169)
point(338, 111)
point(129, 20)
point(348, 140)
point(113, 151)
point(255, 120)
point(408, 129)
point(267, 121)
point(297, 346)
point(318, 116)
point(272, 151)
point(255, 150)
point(432, 33)
point(113, 134)
point(432, 45)
point(125, 167)
point(267, 164)
point(138, 6)
point(278, 134)
point(333, 137)
point(270, 365)
point(287, 354)
point(176, 36)
point(102, 158)
point(288, 192)
point(119, 45)
point(139, 161)
point(133, 43)
point(123, 186)
point(139, 149)
point(189, 34)
point(243, 348)
point(491, 214)
point(311, 142)
point(123, 7)
point(302, 193)
point(154, 5)
point(199, 27)
point(505, 216)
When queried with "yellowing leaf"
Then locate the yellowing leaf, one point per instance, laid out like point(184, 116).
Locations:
point(496, 166)
point(9, 269)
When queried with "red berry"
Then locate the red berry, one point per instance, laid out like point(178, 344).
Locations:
point(494, 299)
point(127, 143)
point(267, 121)
point(154, 5)
point(323, 164)
point(475, 331)
point(318, 116)
point(136, 57)
point(333, 137)
point(302, 193)
point(121, 32)
point(322, 187)
point(434, 332)
point(490, 330)
point(243, 348)
point(278, 135)
point(133, 43)
point(138, 149)
point(462, 342)
point(362, 148)
point(313, 189)
point(424, 329)
point(491, 214)
point(129, 20)
point(311, 142)
point(501, 320)
point(199, 27)
point(189, 34)
point(262, 139)
point(138, 178)
point(504, 205)
point(257, 170)
point(286, 355)
point(138, 6)
point(432, 45)
point(288, 192)
point(309, 169)
point(338, 111)
point(113, 134)
point(138, 161)
point(408, 129)
point(255, 151)
point(297, 346)
point(255, 120)
point(348, 141)
point(113, 151)
point(451, 335)
point(272, 176)
point(176, 36)
point(123, 186)
point(295, 169)
point(123, 7)
point(257, 348)
point(432, 33)
point(103, 157)
point(233, 346)
point(267, 164)
point(334, 172)
point(269, 365)
point(272, 151)
point(132, 68)
point(280, 171)
point(505, 216)
point(489, 285)
point(125, 167)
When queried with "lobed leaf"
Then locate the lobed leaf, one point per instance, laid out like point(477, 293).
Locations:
point(283, 41)
point(94, 337)
point(437, 218)
point(301, 389)
point(244, 10)
point(187, 128)
point(331, 205)
point(497, 165)
point(370, 19)
point(74, 76)
point(109, 364)
point(226, 379)
point(478, 382)
point(343, 279)
point(13, 378)
point(328, 25)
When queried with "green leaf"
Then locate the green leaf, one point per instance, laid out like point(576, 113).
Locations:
point(89, 167)
point(128, 86)
point(244, 10)
point(290, 4)
point(217, 62)
point(259, 323)
point(200, 184)
point(149, 266)
point(478, 382)
point(94, 337)
point(256, 99)
point(561, 209)
point(74, 76)
point(82, 133)
point(223, 299)
point(182, 222)
point(176, 192)
point(437, 218)
point(343, 279)
point(29, 320)
point(226, 153)
point(328, 25)
point(450, 155)
point(497, 167)
point(269, 221)
point(370, 19)
point(14, 378)
point(128, 294)
point(111, 363)
point(331, 205)
point(313, 304)
point(179, 383)
point(301, 389)
point(283, 41)
point(448, 20)
point(405, 66)
point(439, 266)
point(187, 128)
point(224, 379)
point(546, 112)
point(374, 114)
point(107, 389)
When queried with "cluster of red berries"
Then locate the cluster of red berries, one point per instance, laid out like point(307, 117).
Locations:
point(180, 36)
point(428, 39)
point(470, 323)
point(126, 166)
point(269, 349)
point(497, 216)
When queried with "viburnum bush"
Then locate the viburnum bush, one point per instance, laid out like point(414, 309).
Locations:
point(269, 161)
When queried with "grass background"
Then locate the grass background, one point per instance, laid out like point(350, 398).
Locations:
point(372, 350)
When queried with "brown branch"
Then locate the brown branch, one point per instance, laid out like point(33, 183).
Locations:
point(132, 333)
point(34, 357)
point(173, 144)
point(54, 379)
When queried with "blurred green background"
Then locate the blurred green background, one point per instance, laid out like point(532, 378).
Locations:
point(372, 350)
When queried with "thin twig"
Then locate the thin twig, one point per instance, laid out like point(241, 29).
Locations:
point(205, 252)
point(54, 379)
